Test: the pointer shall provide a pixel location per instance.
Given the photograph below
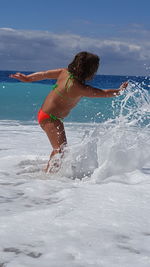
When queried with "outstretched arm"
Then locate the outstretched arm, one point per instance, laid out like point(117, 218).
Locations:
point(37, 76)
point(90, 91)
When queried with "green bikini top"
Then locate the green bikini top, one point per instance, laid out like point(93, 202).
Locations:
point(68, 84)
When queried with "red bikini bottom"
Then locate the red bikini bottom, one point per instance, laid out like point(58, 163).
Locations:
point(42, 116)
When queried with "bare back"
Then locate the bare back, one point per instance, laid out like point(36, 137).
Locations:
point(60, 101)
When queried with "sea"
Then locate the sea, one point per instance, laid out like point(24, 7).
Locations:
point(95, 211)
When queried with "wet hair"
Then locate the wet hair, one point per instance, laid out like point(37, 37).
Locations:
point(84, 66)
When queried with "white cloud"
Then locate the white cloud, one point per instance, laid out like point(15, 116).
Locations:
point(37, 50)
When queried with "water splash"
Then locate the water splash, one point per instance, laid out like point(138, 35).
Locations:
point(124, 144)
point(119, 148)
point(133, 108)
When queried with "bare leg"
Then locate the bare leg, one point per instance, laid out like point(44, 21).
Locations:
point(57, 137)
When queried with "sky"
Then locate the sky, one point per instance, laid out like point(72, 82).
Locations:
point(39, 35)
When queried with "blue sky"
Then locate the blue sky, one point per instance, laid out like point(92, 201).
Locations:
point(120, 31)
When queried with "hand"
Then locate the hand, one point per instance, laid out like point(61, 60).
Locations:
point(123, 86)
point(19, 76)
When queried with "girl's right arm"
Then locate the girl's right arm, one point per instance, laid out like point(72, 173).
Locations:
point(37, 76)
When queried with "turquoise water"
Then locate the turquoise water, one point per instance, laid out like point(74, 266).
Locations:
point(21, 101)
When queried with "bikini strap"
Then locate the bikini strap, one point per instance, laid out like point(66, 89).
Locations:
point(54, 86)
point(68, 84)
point(69, 81)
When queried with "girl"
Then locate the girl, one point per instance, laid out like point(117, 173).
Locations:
point(68, 90)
